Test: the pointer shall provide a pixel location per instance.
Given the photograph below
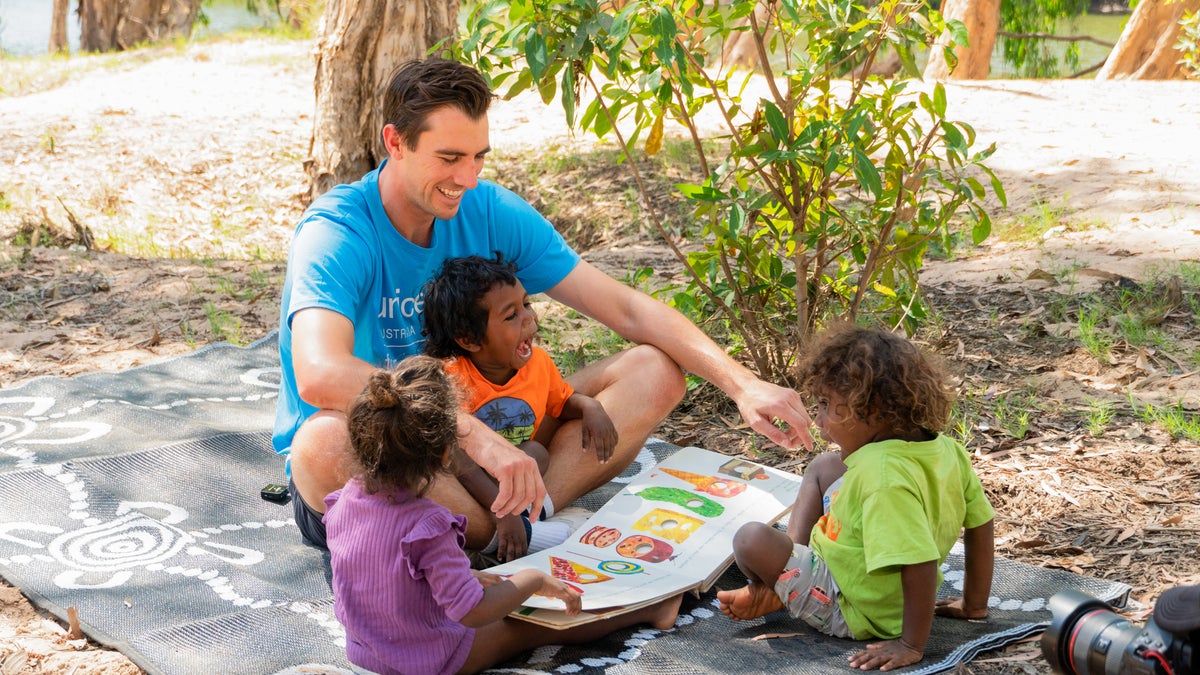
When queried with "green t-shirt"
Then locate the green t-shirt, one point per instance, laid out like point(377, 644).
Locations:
point(900, 503)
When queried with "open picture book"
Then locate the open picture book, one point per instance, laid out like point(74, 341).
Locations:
point(669, 530)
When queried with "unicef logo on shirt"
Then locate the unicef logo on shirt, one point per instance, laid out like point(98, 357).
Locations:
point(512, 418)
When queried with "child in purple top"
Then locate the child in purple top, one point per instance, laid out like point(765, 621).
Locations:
point(402, 585)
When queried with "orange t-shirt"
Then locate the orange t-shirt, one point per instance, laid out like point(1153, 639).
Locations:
point(514, 409)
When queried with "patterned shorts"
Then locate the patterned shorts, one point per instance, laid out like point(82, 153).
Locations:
point(809, 593)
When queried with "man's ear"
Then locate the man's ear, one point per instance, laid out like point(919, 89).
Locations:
point(468, 344)
point(393, 142)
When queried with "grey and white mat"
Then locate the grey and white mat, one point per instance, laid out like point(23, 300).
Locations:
point(134, 497)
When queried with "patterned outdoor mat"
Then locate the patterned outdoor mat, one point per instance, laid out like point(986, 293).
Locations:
point(134, 497)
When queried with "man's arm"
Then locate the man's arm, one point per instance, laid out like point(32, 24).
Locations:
point(329, 376)
point(640, 318)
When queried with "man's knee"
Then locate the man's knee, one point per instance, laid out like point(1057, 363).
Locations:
point(651, 364)
point(320, 457)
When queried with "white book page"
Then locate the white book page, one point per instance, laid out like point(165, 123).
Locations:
point(668, 531)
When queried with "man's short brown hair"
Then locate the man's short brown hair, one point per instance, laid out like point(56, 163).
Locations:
point(418, 88)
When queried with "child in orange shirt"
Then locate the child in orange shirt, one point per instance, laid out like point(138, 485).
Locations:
point(478, 318)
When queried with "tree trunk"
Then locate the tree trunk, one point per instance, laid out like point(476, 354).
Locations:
point(1146, 49)
point(982, 19)
point(58, 27)
point(361, 43)
point(111, 25)
point(741, 48)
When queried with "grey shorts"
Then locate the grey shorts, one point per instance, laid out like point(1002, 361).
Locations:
point(809, 593)
point(311, 523)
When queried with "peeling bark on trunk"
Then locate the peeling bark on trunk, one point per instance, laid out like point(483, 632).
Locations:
point(982, 19)
point(58, 27)
point(740, 48)
point(113, 25)
point(1146, 49)
point(361, 43)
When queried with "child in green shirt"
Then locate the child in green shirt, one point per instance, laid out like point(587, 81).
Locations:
point(873, 523)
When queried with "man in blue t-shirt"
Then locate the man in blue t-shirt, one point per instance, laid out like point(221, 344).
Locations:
point(352, 302)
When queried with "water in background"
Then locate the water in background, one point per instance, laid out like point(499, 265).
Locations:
point(1105, 27)
point(25, 24)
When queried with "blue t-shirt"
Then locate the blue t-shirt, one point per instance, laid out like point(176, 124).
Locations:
point(347, 257)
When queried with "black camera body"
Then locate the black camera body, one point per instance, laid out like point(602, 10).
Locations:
point(1086, 637)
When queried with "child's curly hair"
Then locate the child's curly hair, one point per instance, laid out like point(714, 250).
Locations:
point(882, 375)
point(453, 302)
point(402, 424)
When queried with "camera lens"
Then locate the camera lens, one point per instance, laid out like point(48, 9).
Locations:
point(1086, 637)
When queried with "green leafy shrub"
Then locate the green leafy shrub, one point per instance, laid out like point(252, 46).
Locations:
point(826, 187)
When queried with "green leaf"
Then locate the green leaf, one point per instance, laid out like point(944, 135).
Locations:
point(736, 219)
point(663, 30)
point(536, 55)
point(776, 122)
point(982, 229)
point(954, 139)
point(939, 99)
point(998, 188)
point(704, 193)
point(867, 174)
point(568, 93)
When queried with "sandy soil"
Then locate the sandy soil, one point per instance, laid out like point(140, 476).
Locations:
point(198, 152)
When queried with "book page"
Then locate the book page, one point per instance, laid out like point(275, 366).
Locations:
point(669, 531)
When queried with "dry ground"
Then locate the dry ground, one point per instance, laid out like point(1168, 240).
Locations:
point(185, 167)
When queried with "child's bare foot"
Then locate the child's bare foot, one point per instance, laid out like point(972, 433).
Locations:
point(664, 614)
point(749, 602)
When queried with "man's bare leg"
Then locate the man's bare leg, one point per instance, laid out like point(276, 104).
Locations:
point(321, 463)
point(638, 388)
point(320, 457)
point(761, 553)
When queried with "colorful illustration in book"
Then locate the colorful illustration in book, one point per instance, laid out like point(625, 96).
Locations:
point(668, 524)
point(740, 468)
point(569, 585)
point(644, 548)
point(620, 567)
point(717, 487)
point(568, 570)
point(701, 506)
point(601, 536)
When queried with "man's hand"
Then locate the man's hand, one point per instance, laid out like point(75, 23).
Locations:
point(777, 413)
point(511, 542)
point(886, 656)
point(517, 473)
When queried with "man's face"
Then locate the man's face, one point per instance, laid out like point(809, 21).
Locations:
point(445, 164)
point(511, 327)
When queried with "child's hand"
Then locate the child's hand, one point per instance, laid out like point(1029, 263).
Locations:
point(511, 541)
point(954, 608)
point(599, 432)
point(886, 656)
point(553, 588)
